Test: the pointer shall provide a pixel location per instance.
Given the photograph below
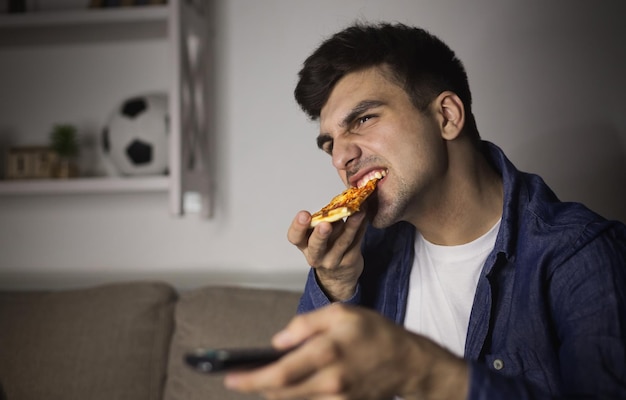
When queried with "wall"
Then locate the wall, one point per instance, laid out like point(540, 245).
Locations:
point(548, 84)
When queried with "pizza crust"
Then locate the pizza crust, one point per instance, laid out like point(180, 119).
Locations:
point(332, 216)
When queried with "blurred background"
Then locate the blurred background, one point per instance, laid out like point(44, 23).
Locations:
point(547, 78)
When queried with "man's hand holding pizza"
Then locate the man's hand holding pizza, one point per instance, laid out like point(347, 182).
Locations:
point(333, 250)
point(331, 245)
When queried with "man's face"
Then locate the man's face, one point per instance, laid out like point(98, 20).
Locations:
point(369, 124)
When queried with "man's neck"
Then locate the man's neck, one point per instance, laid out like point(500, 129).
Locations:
point(465, 205)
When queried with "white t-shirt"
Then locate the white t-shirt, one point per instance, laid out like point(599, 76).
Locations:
point(442, 288)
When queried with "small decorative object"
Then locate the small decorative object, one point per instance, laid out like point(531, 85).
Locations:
point(30, 162)
point(64, 142)
point(136, 136)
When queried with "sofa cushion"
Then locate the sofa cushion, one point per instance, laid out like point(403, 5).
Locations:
point(222, 317)
point(106, 342)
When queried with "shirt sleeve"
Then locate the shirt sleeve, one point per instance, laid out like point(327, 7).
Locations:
point(314, 296)
point(587, 292)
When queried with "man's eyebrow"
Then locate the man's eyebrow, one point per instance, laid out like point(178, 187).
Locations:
point(359, 109)
point(356, 111)
point(322, 139)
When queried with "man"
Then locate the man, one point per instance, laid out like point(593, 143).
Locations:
point(464, 278)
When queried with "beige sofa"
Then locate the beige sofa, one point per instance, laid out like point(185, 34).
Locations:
point(127, 340)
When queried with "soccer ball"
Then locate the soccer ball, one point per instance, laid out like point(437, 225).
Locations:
point(136, 136)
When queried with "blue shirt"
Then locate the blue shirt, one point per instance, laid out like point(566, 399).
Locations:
point(549, 314)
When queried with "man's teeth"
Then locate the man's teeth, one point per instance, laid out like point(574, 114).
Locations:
point(380, 174)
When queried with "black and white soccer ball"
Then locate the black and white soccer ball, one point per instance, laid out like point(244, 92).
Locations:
point(136, 136)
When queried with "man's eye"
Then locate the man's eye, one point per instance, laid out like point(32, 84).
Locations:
point(364, 119)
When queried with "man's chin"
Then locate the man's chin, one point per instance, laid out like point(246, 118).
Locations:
point(380, 221)
point(378, 216)
point(380, 224)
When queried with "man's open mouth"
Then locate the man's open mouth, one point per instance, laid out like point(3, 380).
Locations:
point(375, 174)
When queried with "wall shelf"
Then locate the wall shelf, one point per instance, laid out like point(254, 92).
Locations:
point(61, 19)
point(85, 186)
point(182, 28)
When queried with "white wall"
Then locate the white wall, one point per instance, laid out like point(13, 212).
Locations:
point(548, 81)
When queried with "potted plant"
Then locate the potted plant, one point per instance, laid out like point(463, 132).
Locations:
point(64, 142)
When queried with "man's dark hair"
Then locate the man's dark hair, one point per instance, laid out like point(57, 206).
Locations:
point(418, 62)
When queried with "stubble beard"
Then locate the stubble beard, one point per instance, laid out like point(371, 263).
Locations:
point(389, 210)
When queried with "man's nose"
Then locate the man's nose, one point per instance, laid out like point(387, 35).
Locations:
point(344, 152)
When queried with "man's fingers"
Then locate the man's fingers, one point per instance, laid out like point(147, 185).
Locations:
point(317, 249)
point(311, 242)
point(293, 368)
point(303, 327)
point(350, 234)
point(325, 383)
point(329, 243)
point(326, 244)
point(298, 233)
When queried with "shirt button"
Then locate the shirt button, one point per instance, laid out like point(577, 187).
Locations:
point(498, 364)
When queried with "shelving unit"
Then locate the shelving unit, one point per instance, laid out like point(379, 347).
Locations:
point(85, 186)
point(183, 27)
point(62, 19)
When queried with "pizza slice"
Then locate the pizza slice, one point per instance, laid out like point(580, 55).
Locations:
point(346, 203)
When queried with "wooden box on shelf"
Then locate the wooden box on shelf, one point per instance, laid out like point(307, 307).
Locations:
point(30, 162)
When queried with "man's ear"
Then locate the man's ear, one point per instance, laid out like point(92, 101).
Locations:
point(452, 111)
